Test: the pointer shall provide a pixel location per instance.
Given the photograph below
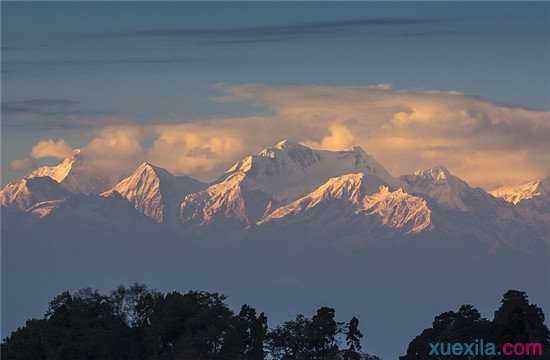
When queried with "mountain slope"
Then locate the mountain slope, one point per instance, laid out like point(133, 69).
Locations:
point(289, 169)
point(254, 186)
point(449, 191)
point(355, 201)
point(532, 202)
point(155, 192)
point(30, 191)
point(234, 202)
point(106, 210)
point(472, 213)
point(536, 191)
point(77, 175)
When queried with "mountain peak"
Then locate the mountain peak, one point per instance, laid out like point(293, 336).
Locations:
point(155, 192)
point(438, 183)
point(57, 172)
point(147, 167)
point(358, 149)
point(77, 174)
point(438, 173)
point(357, 200)
point(289, 144)
point(526, 191)
point(30, 191)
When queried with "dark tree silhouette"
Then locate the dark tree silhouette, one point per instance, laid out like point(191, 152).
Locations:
point(516, 321)
point(78, 326)
point(136, 323)
point(321, 333)
point(353, 340)
point(246, 338)
point(288, 341)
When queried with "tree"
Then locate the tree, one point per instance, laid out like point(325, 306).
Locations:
point(247, 335)
point(463, 326)
point(288, 341)
point(85, 325)
point(306, 339)
point(321, 334)
point(516, 321)
point(136, 323)
point(135, 304)
point(519, 321)
point(76, 326)
point(26, 343)
point(353, 340)
point(189, 326)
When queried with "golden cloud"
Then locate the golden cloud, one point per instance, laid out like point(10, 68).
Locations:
point(487, 144)
point(57, 149)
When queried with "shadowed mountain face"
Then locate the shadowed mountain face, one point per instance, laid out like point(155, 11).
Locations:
point(288, 227)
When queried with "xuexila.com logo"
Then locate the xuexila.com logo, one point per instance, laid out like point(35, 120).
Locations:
point(481, 348)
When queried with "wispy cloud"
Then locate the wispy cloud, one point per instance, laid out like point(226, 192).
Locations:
point(119, 61)
point(19, 66)
point(46, 113)
point(281, 32)
point(39, 106)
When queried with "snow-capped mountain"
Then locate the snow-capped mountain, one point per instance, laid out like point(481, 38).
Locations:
point(289, 169)
point(233, 202)
point(449, 191)
point(77, 175)
point(531, 200)
point(355, 200)
point(473, 213)
point(30, 191)
point(257, 184)
point(536, 191)
point(155, 192)
point(112, 210)
point(291, 188)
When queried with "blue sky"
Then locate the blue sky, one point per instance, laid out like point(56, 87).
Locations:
point(69, 68)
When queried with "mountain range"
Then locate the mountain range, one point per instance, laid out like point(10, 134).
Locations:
point(287, 187)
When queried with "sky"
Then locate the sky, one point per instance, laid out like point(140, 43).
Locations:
point(193, 87)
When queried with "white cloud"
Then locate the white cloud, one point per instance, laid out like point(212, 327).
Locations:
point(51, 148)
point(115, 149)
point(340, 138)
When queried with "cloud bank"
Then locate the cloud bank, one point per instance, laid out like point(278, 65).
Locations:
point(487, 144)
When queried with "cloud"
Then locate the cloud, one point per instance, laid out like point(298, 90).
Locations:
point(487, 144)
point(205, 148)
point(47, 114)
point(340, 138)
point(115, 149)
point(26, 66)
point(190, 149)
point(57, 149)
point(289, 31)
point(38, 106)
